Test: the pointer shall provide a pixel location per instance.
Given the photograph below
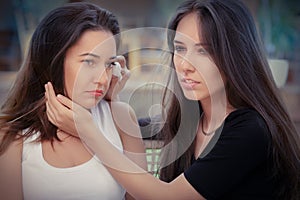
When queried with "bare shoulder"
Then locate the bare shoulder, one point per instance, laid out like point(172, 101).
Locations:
point(3, 132)
point(125, 119)
point(15, 145)
point(11, 152)
point(10, 168)
point(122, 109)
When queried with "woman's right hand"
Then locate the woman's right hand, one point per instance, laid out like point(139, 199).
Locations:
point(116, 84)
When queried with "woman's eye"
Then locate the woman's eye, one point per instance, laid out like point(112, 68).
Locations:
point(109, 65)
point(89, 62)
point(202, 51)
point(179, 48)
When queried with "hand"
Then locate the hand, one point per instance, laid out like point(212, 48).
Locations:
point(115, 85)
point(65, 114)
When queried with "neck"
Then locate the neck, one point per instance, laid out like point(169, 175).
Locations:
point(62, 135)
point(213, 114)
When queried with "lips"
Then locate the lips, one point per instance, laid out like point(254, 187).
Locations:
point(96, 93)
point(188, 83)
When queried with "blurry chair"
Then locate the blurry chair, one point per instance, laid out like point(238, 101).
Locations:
point(279, 69)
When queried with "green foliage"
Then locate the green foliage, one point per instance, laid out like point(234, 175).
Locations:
point(278, 23)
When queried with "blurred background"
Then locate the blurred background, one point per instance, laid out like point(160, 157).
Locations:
point(278, 22)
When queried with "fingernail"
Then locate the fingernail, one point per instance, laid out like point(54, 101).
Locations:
point(59, 96)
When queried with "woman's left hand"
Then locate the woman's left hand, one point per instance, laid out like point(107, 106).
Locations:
point(65, 114)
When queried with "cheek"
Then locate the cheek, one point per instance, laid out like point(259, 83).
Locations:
point(213, 80)
point(176, 61)
point(69, 85)
point(206, 69)
point(109, 78)
point(70, 78)
point(109, 74)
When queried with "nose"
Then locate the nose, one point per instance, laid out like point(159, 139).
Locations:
point(102, 79)
point(184, 65)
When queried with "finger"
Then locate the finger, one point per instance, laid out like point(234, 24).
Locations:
point(113, 85)
point(122, 61)
point(46, 92)
point(52, 97)
point(50, 115)
point(119, 59)
point(116, 70)
point(50, 90)
point(55, 108)
point(125, 72)
point(65, 101)
point(50, 109)
point(113, 82)
point(68, 103)
point(59, 99)
point(61, 110)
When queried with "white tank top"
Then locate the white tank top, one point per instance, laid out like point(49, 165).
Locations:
point(87, 181)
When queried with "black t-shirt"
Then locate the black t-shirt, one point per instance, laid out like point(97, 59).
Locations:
point(238, 164)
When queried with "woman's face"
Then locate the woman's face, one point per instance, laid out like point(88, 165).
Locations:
point(87, 67)
point(197, 74)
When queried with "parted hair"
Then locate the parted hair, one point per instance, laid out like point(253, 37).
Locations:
point(236, 49)
point(25, 108)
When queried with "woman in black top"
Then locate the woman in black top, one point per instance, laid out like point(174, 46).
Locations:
point(235, 165)
point(227, 133)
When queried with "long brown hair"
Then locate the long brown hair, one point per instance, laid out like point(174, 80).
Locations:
point(56, 33)
point(237, 51)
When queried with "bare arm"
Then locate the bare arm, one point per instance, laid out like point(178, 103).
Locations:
point(130, 135)
point(136, 180)
point(129, 131)
point(139, 183)
point(10, 171)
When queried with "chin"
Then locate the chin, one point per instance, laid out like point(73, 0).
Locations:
point(190, 95)
point(88, 103)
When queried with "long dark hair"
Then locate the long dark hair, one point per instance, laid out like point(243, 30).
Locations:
point(238, 53)
point(55, 34)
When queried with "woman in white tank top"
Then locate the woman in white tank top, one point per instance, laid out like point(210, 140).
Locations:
point(74, 47)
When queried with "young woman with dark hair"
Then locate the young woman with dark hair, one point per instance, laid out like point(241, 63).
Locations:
point(75, 48)
point(227, 132)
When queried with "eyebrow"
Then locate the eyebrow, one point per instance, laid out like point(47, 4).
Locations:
point(198, 44)
point(90, 54)
point(176, 41)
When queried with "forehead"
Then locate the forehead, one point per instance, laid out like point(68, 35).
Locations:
point(188, 28)
point(94, 41)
